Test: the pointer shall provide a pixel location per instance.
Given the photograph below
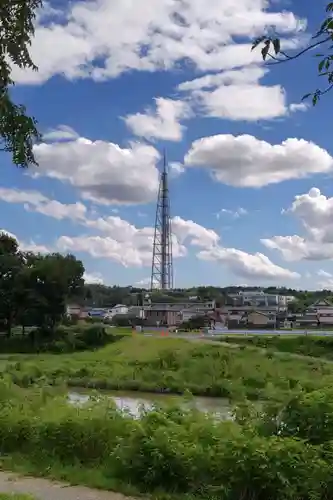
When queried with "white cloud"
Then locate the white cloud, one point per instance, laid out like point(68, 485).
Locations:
point(250, 102)
point(101, 39)
point(175, 169)
point(245, 161)
point(122, 242)
point(197, 235)
point(118, 239)
point(294, 248)
point(326, 282)
point(235, 77)
point(315, 211)
point(33, 247)
point(239, 95)
point(93, 278)
point(235, 214)
point(298, 107)
point(102, 171)
point(164, 124)
point(36, 202)
point(61, 133)
point(250, 266)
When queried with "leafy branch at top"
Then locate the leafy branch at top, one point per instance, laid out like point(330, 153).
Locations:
point(271, 50)
point(18, 131)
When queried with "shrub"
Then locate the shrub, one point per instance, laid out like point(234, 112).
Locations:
point(169, 451)
point(93, 336)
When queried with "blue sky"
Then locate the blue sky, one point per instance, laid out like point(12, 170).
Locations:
point(250, 164)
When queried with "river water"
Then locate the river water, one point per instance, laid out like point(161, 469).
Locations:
point(134, 401)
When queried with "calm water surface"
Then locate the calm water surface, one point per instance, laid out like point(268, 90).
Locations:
point(134, 401)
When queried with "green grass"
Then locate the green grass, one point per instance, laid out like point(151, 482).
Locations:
point(307, 345)
point(172, 365)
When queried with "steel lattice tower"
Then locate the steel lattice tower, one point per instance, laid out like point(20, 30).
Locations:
point(162, 264)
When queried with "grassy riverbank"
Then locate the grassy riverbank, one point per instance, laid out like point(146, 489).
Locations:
point(307, 345)
point(151, 364)
point(174, 452)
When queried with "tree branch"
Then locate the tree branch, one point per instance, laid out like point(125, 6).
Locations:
point(299, 54)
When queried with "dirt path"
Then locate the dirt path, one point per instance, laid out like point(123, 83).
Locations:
point(43, 489)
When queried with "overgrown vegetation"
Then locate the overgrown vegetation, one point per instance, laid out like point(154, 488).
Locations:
point(315, 346)
point(182, 453)
point(80, 337)
point(175, 365)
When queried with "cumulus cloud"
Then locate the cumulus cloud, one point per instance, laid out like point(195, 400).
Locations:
point(37, 202)
point(163, 124)
point(102, 39)
point(245, 161)
point(60, 133)
point(123, 242)
point(119, 240)
point(239, 95)
point(250, 266)
point(102, 171)
point(93, 278)
point(314, 210)
point(296, 247)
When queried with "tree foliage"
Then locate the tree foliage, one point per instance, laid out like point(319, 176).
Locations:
point(18, 131)
point(322, 40)
point(34, 289)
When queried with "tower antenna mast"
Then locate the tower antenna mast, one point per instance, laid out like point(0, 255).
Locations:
point(162, 262)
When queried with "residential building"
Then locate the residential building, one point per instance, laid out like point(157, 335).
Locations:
point(319, 313)
point(259, 300)
point(173, 314)
point(253, 319)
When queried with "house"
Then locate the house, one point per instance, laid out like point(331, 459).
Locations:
point(160, 315)
point(320, 313)
point(173, 314)
point(258, 319)
point(259, 300)
point(253, 319)
point(76, 311)
point(73, 310)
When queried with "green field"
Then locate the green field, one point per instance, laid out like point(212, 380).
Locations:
point(307, 345)
point(172, 365)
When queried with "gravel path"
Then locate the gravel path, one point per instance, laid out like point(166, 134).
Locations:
point(43, 489)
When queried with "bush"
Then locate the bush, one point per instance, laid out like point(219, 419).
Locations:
point(172, 451)
point(122, 320)
point(93, 336)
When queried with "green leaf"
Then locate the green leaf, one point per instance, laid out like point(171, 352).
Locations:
point(277, 45)
point(321, 65)
point(329, 7)
point(257, 42)
point(264, 51)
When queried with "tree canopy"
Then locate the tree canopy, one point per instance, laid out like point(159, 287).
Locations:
point(35, 288)
point(18, 131)
point(321, 43)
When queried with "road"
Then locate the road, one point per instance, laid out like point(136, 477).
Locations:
point(44, 489)
point(220, 333)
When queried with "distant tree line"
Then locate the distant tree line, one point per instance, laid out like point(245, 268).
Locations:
point(107, 296)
